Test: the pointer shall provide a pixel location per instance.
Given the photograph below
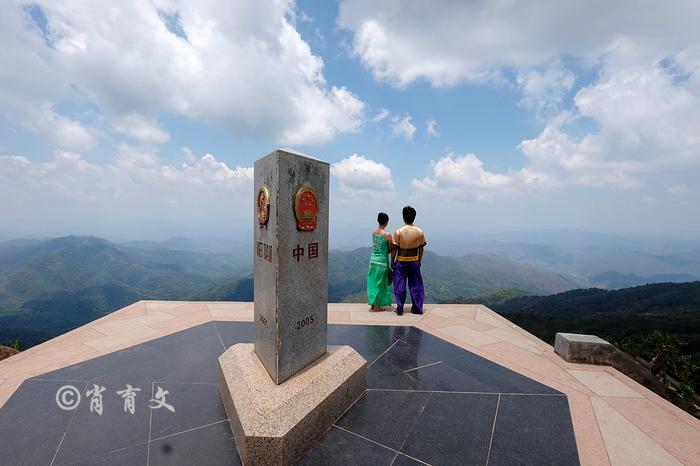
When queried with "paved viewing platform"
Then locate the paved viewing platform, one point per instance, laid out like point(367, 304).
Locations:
point(426, 372)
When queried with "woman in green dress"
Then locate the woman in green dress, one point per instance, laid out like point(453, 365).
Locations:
point(378, 276)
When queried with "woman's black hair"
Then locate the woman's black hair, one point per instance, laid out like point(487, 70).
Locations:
point(382, 218)
point(409, 214)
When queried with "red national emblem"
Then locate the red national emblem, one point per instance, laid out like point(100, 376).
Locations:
point(306, 209)
point(263, 205)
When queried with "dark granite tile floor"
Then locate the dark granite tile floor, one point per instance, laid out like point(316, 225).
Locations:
point(429, 402)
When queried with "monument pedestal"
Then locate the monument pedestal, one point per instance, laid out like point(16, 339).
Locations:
point(276, 424)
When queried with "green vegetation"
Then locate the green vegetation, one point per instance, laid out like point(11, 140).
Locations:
point(491, 298)
point(14, 344)
point(676, 363)
point(50, 287)
point(639, 320)
point(446, 278)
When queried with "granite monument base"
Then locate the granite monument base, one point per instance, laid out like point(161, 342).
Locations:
point(276, 424)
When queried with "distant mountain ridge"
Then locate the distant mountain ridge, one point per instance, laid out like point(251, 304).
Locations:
point(589, 264)
point(614, 280)
point(444, 278)
point(51, 286)
point(659, 297)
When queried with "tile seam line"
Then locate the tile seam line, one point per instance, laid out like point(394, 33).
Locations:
point(493, 357)
point(97, 353)
point(115, 451)
point(349, 408)
point(680, 417)
point(218, 333)
point(385, 351)
point(365, 438)
point(150, 428)
point(421, 367)
point(597, 420)
point(381, 445)
point(65, 432)
point(638, 428)
point(654, 398)
point(493, 429)
point(464, 393)
point(394, 459)
point(188, 430)
point(413, 458)
point(184, 383)
point(413, 426)
point(58, 380)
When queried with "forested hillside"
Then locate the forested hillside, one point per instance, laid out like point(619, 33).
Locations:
point(445, 278)
point(671, 308)
point(49, 287)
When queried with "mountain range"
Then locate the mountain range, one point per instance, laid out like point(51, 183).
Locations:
point(444, 278)
point(48, 287)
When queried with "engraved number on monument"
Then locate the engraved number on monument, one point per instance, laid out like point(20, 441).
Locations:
point(263, 321)
point(304, 322)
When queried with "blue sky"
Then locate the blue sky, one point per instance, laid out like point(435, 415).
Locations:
point(145, 122)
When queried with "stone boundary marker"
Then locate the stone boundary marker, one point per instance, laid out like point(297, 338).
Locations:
point(290, 261)
point(282, 393)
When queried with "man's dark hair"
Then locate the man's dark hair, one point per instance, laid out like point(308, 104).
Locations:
point(382, 218)
point(409, 214)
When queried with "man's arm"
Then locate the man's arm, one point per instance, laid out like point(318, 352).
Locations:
point(421, 247)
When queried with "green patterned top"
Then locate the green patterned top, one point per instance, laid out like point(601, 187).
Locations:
point(380, 251)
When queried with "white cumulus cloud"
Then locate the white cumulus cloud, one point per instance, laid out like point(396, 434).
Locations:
point(431, 128)
point(402, 127)
point(361, 177)
point(380, 115)
point(63, 131)
point(459, 176)
point(544, 90)
point(402, 41)
point(135, 185)
point(239, 65)
point(634, 117)
point(637, 117)
point(141, 128)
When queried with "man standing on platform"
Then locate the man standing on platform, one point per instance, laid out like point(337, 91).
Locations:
point(406, 256)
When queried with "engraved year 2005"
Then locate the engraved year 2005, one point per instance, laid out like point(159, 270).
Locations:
point(304, 322)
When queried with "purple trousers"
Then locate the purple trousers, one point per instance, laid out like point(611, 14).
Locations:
point(408, 271)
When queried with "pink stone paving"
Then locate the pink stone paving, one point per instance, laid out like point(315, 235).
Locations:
point(616, 421)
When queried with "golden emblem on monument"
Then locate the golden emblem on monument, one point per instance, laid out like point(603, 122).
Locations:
point(306, 208)
point(263, 205)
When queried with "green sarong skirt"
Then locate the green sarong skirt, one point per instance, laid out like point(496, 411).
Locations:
point(378, 285)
